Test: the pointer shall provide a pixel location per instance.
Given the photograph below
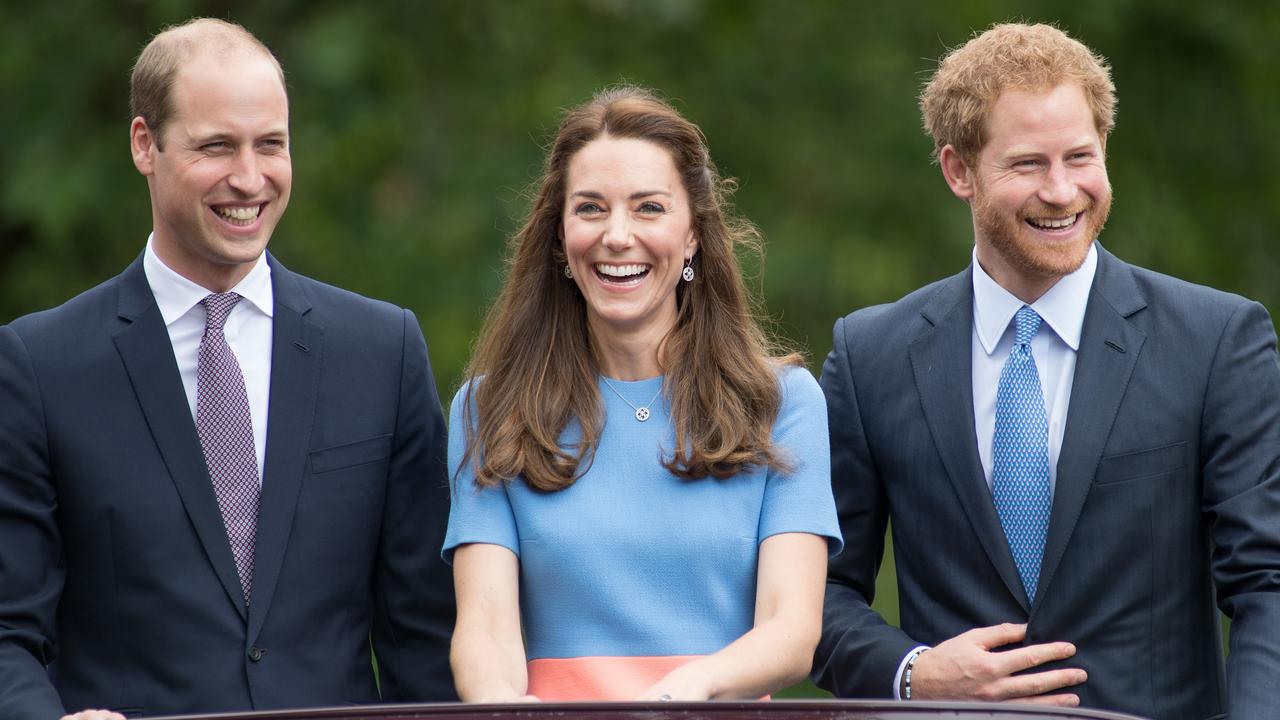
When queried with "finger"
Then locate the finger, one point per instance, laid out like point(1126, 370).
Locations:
point(1060, 700)
point(997, 635)
point(1041, 682)
point(1025, 658)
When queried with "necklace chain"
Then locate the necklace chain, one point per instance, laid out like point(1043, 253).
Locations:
point(642, 411)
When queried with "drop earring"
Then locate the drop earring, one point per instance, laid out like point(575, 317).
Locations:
point(687, 273)
point(568, 271)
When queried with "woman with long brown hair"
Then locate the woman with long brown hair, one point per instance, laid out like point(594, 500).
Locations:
point(642, 505)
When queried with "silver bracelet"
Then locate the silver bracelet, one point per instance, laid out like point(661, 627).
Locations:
point(906, 675)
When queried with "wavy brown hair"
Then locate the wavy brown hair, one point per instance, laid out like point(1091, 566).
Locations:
point(535, 369)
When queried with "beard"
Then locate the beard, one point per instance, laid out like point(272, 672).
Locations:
point(1015, 242)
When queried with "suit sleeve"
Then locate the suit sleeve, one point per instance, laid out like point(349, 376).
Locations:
point(31, 567)
point(1240, 456)
point(413, 585)
point(859, 653)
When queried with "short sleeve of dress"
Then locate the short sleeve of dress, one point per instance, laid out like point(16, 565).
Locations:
point(476, 515)
point(801, 500)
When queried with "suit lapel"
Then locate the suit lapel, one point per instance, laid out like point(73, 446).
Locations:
point(146, 350)
point(941, 359)
point(296, 349)
point(1109, 348)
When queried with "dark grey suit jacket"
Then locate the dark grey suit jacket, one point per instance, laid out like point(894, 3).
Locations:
point(1166, 507)
point(117, 584)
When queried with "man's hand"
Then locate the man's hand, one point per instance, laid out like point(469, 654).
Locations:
point(94, 715)
point(964, 668)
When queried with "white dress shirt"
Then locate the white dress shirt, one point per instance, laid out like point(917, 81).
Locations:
point(1053, 347)
point(248, 332)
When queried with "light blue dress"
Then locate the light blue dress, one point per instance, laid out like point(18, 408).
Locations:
point(632, 564)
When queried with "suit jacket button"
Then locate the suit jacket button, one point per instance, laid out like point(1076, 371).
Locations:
point(255, 653)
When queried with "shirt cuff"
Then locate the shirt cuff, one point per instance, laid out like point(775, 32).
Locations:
point(902, 666)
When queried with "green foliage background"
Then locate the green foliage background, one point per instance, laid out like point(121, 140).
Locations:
point(418, 126)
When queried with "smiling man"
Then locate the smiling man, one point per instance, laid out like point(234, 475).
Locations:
point(222, 483)
point(1080, 458)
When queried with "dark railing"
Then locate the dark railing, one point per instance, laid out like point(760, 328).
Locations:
point(776, 710)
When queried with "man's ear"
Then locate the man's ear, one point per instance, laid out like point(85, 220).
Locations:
point(142, 143)
point(959, 176)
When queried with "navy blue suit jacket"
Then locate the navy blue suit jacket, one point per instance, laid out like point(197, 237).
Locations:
point(117, 584)
point(1166, 507)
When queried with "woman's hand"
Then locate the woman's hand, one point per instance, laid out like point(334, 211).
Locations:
point(501, 699)
point(687, 682)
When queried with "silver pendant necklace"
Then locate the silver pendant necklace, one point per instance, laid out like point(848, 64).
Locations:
point(642, 411)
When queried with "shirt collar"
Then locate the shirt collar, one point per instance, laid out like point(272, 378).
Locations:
point(1062, 307)
point(176, 295)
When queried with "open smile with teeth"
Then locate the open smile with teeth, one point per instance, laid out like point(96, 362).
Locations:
point(1060, 223)
point(239, 215)
point(621, 274)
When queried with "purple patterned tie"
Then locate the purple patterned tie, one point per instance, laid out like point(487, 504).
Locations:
point(226, 435)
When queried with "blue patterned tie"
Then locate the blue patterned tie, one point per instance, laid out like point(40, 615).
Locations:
point(1020, 454)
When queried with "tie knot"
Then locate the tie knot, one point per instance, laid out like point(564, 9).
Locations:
point(1026, 323)
point(218, 307)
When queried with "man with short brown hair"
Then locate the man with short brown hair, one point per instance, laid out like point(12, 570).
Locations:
point(1080, 458)
point(222, 483)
